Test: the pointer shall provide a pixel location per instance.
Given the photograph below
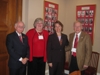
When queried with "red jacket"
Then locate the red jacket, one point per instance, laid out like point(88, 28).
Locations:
point(30, 35)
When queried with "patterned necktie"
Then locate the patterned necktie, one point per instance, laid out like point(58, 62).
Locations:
point(20, 37)
point(76, 41)
point(75, 45)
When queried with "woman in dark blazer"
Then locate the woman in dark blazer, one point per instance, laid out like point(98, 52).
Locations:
point(56, 50)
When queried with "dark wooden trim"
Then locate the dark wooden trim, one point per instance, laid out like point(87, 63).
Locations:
point(19, 10)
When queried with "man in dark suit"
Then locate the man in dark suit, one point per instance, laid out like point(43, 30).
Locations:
point(81, 48)
point(18, 49)
point(56, 50)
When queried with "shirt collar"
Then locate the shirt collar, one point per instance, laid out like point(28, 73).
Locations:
point(18, 34)
point(78, 34)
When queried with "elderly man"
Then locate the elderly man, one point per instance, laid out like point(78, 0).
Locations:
point(81, 48)
point(18, 49)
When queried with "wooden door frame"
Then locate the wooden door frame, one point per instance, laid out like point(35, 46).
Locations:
point(13, 14)
point(19, 10)
point(17, 13)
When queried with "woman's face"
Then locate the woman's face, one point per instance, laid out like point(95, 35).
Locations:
point(58, 28)
point(39, 25)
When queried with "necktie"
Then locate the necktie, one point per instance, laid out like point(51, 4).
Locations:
point(76, 41)
point(75, 45)
point(20, 37)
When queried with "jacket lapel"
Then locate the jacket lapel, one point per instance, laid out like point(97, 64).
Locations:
point(72, 38)
point(17, 37)
point(81, 37)
point(23, 38)
point(57, 39)
point(62, 38)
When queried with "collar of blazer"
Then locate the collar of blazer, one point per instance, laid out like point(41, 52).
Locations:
point(57, 37)
point(16, 36)
point(80, 38)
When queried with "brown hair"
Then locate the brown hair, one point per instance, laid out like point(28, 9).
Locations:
point(58, 22)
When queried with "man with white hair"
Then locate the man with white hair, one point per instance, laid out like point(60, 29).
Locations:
point(18, 50)
point(80, 46)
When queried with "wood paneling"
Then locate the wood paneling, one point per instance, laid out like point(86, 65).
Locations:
point(10, 12)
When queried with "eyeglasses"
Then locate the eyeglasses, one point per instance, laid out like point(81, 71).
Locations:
point(21, 27)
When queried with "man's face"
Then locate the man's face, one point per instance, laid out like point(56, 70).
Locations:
point(19, 27)
point(77, 27)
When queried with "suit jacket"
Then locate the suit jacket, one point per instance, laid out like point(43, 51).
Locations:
point(55, 51)
point(84, 49)
point(16, 49)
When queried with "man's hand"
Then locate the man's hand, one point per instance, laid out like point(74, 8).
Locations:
point(50, 64)
point(24, 60)
point(85, 66)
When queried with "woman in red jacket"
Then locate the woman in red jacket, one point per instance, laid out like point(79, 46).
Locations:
point(37, 39)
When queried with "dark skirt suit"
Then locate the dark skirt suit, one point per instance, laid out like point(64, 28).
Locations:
point(56, 53)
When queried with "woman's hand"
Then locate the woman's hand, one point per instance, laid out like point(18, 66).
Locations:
point(50, 64)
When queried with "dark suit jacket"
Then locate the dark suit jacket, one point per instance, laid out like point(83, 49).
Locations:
point(16, 49)
point(55, 51)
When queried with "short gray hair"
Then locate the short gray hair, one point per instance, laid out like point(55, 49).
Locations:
point(77, 21)
point(37, 20)
point(19, 22)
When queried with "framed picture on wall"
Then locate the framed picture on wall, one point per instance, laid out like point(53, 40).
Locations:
point(50, 15)
point(86, 14)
